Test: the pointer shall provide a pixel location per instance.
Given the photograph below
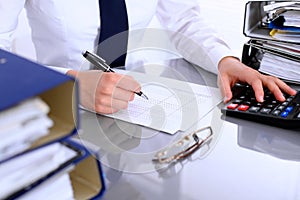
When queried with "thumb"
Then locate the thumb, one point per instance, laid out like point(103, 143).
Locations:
point(225, 87)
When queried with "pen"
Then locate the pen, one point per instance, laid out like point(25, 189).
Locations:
point(102, 65)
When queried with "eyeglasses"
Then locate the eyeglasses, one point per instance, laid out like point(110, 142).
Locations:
point(185, 146)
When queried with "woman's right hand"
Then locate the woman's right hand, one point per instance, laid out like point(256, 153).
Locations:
point(105, 92)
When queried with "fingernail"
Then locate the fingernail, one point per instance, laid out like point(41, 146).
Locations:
point(295, 91)
point(225, 99)
point(260, 98)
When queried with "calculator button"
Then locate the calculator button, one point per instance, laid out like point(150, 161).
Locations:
point(280, 107)
point(276, 112)
point(258, 104)
point(243, 107)
point(274, 102)
point(237, 101)
point(265, 110)
point(267, 97)
point(289, 99)
point(285, 103)
point(270, 106)
point(254, 109)
point(284, 114)
point(232, 106)
point(247, 103)
point(289, 109)
point(253, 99)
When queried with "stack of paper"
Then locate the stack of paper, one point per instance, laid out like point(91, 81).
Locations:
point(22, 171)
point(52, 190)
point(278, 5)
point(36, 125)
point(22, 125)
point(292, 18)
point(284, 20)
point(38, 158)
point(280, 67)
point(286, 48)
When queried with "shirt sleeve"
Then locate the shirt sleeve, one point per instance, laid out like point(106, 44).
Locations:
point(9, 13)
point(195, 40)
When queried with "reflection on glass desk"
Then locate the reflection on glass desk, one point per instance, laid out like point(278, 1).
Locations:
point(276, 142)
point(244, 160)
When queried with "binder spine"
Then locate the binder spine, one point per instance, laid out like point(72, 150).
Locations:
point(251, 56)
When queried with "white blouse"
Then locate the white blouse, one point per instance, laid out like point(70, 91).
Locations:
point(62, 29)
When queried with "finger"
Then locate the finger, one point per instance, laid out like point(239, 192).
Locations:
point(128, 83)
point(225, 87)
point(108, 101)
point(109, 81)
point(132, 97)
point(105, 109)
point(109, 85)
point(258, 90)
point(122, 94)
point(273, 87)
point(116, 92)
point(285, 88)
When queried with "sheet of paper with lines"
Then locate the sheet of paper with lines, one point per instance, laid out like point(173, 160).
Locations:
point(172, 106)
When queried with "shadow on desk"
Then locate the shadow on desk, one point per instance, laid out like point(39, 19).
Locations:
point(277, 142)
point(180, 69)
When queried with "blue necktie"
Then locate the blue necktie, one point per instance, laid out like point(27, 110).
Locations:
point(114, 32)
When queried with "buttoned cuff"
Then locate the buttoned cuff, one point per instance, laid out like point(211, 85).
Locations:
point(217, 54)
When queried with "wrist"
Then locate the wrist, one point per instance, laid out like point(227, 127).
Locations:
point(226, 60)
point(72, 73)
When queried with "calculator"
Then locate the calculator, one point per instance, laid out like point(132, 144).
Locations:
point(243, 105)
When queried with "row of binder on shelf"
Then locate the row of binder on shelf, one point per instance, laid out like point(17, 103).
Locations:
point(274, 45)
point(38, 115)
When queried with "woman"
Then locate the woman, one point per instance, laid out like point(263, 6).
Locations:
point(62, 29)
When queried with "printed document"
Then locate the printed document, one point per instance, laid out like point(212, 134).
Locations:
point(172, 106)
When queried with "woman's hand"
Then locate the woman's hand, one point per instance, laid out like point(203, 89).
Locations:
point(105, 92)
point(231, 71)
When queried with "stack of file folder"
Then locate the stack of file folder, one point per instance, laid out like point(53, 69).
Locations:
point(274, 45)
point(38, 115)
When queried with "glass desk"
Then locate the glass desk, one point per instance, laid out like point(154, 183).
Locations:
point(243, 160)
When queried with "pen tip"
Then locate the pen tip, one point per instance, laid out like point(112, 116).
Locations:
point(141, 94)
point(145, 97)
